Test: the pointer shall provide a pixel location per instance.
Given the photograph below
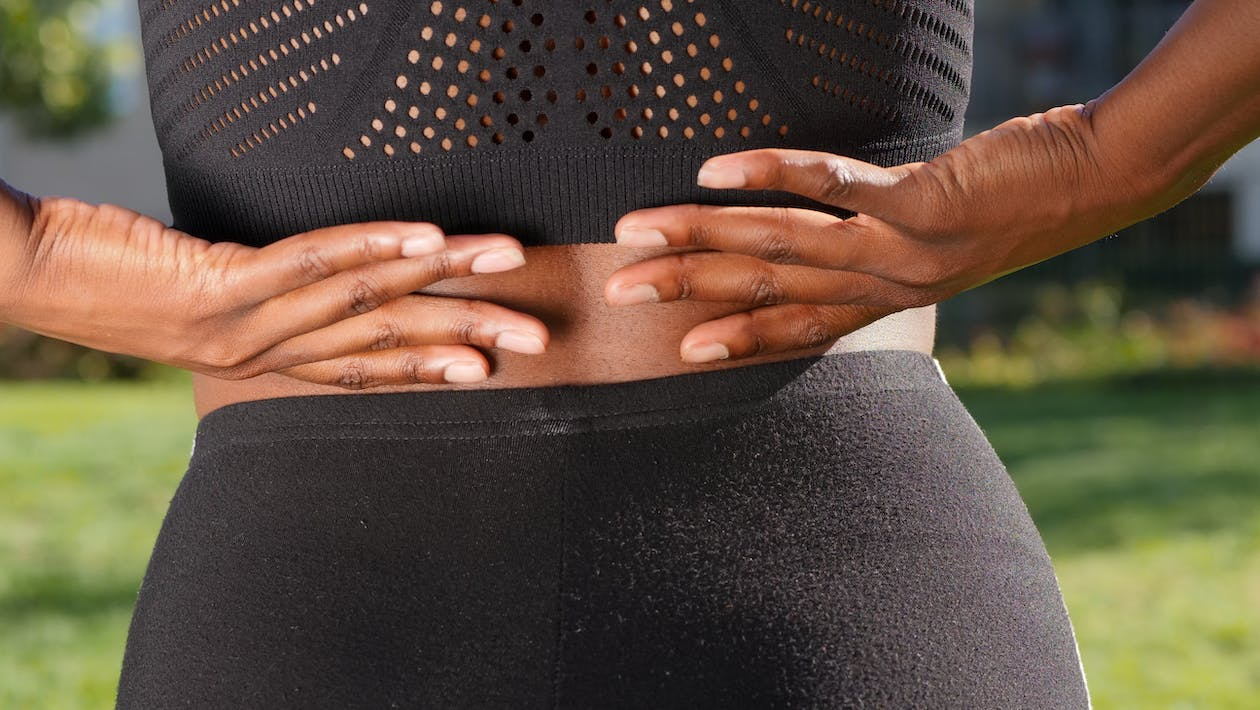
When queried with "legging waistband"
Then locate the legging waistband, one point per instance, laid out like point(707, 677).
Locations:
point(556, 409)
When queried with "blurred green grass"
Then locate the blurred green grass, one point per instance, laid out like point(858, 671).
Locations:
point(1147, 491)
point(86, 472)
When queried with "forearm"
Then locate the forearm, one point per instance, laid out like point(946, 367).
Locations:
point(1191, 104)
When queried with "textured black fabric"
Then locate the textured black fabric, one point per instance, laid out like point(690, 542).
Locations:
point(827, 532)
point(544, 120)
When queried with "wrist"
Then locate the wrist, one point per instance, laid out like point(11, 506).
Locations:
point(1189, 105)
point(1137, 179)
point(17, 227)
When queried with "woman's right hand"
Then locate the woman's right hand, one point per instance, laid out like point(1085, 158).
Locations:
point(333, 306)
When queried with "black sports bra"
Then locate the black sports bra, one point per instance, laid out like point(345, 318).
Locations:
point(544, 120)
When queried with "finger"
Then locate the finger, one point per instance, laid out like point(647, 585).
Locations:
point(780, 235)
point(313, 256)
point(828, 178)
point(717, 276)
point(431, 364)
point(367, 288)
point(774, 329)
point(408, 321)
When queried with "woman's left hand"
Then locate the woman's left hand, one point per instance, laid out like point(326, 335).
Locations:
point(792, 266)
point(1001, 200)
point(1006, 198)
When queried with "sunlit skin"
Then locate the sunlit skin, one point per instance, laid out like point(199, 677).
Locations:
point(699, 287)
point(1025, 191)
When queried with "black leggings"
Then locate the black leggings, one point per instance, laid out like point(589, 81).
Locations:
point(821, 532)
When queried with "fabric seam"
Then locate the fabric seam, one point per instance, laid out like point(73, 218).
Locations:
point(249, 439)
point(741, 27)
point(727, 403)
point(361, 81)
point(517, 155)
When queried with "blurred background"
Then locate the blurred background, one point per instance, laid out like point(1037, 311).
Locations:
point(1120, 382)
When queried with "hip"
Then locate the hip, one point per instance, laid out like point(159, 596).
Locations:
point(821, 532)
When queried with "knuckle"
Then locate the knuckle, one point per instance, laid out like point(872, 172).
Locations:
point(777, 248)
point(775, 244)
point(352, 374)
point(365, 295)
point(837, 181)
point(388, 336)
point(314, 263)
point(684, 275)
point(443, 266)
point(369, 248)
point(412, 368)
point(815, 333)
point(758, 345)
point(765, 289)
point(686, 288)
point(464, 330)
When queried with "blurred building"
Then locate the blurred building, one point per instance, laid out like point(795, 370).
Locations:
point(1034, 54)
point(120, 164)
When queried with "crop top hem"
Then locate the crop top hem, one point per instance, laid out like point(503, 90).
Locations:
point(565, 195)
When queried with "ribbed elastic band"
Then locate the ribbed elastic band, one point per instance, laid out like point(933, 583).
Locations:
point(561, 196)
point(565, 408)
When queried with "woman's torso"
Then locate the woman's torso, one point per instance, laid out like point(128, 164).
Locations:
point(543, 120)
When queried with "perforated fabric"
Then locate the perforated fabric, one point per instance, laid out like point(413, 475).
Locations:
point(545, 120)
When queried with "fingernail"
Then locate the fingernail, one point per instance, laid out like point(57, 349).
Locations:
point(641, 237)
point(464, 371)
point(519, 341)
point(421, 244)
point(706, 353)
point(494, 260)
point(721, 176)
point(635, 293)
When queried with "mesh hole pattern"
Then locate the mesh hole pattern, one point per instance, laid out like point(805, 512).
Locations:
point(646, 71)
point(469, 74)
point(849, 59)
point(255, 95)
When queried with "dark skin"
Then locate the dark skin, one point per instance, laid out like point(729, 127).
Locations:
point(112, 279)
point(1007, 198)
point(343, 309)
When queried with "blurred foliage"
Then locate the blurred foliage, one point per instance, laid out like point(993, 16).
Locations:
point(1086, 331)
point(29, 356)
point(55, 74)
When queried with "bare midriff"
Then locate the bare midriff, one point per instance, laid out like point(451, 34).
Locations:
point(591, 341)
